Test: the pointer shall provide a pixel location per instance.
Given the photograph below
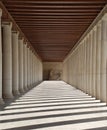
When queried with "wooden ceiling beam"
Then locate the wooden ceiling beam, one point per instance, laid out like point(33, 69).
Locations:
point(47, 2)
point(55, 14)
point(56, 20)
point(51, 22)
point(14, 7)
point(55, 17)
point(54, 10)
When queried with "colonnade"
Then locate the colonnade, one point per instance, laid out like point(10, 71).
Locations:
point(86, 67)
point(20, 68)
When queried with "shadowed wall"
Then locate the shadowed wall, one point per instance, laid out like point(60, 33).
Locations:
point(52, 70)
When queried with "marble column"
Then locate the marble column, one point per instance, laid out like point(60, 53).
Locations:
point(90, 62)
point(33, 69)
point(21, 67)
point(98, 60)
point(28, 61)
point(85, 69)
point(88, 57)
point(36, 69)
point(7, 60)
point(25, 67)
point(30, 68)
point(15, 63)
point(1, 99)
point(103, 58)
point(94, 64)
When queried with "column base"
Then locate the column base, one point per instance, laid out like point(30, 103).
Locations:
point(21, 91)
point(16, 93)
point(1, 101)
point(26, 89)
point(29, 87)
point(8, 96)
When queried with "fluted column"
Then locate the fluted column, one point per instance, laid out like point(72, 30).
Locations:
point(35, 69)
point(91, 61)
point(25, 67)
point(31, 68)
point(98, 61)
point(88, 64)
point(21, 67)
point(85, 69)
point(28, 61)
point(7, 60)
point(94, 63)
point(1, 99)
point(103, 58)
point(15, 63)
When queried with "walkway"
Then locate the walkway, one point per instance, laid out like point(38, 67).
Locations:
point(54, 105)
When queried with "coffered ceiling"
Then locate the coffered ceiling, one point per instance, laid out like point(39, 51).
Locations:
point(53, 27)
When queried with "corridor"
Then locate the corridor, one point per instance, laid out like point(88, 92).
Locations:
point(54, 105)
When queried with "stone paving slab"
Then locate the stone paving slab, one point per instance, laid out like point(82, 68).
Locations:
point(54, 105)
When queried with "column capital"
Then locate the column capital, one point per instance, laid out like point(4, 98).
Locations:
point(95, 28)
point(7, 23)
point(17, 32)
point(104, 17)
point(0, 12)
point(21, 38)
point(99, 23)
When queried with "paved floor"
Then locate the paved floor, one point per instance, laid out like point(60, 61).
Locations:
point(54, 105)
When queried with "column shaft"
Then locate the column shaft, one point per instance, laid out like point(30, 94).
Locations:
point(1, 99)
point(7, 60)
point(15, 63)
point(103, 58)
point(21, 67)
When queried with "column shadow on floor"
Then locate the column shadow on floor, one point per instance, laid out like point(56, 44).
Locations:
point(46, 114)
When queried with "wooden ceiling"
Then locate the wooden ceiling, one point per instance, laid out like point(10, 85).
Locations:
point(54, 26)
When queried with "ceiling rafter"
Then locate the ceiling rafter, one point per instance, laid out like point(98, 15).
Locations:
point(54, 26)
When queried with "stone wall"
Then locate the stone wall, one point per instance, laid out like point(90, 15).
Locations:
point(52, 70)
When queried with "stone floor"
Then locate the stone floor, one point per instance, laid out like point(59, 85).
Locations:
point(54, 105)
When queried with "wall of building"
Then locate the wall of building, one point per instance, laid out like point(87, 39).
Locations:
point(86, 66)
point(52, 70)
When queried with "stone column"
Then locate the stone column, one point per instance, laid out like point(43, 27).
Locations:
point(25, 67)
point(98, 61)
point(36, 69)
point(30, 85)
point(85, 63)
point(103, 58)
point(21, 67)
point(7, 60)
point(34, 72)
point(32, 68)
point(28, 61)
point(94, 64)
point(30, 55)
point(90, 62)
point(15, 63)
point(88, 57)
point(1, 99)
